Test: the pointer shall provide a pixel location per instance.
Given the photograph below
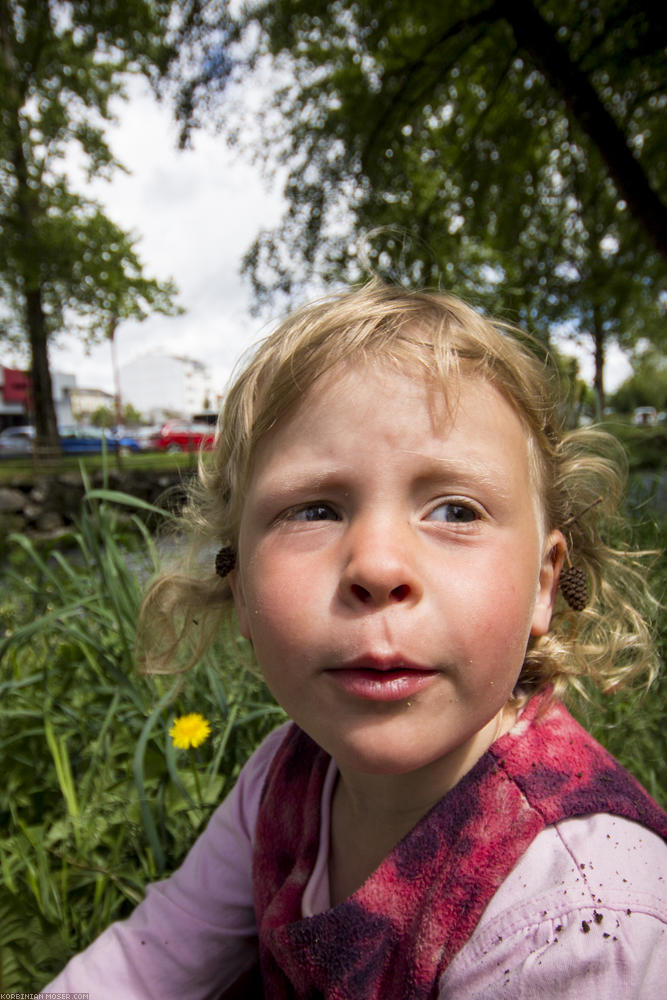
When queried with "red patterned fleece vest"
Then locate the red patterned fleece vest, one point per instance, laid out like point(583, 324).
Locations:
point(395, 936)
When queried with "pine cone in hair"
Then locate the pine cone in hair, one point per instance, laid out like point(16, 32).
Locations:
point(574, 588)
point(225, 561)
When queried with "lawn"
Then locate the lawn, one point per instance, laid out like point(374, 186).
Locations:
point(13, 469)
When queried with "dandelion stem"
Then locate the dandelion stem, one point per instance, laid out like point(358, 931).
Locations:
point(195, 773)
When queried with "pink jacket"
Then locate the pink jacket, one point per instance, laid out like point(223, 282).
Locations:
point(583, 913)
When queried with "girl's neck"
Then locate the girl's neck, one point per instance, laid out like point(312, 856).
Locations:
point(371, 813)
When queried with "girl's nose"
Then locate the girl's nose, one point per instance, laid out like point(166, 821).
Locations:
point(380, 569)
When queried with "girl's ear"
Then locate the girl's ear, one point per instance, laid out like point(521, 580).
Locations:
point(552, 563)
point(240, 605)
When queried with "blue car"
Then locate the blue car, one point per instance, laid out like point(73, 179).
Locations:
point(16, 441)
point(91, 440)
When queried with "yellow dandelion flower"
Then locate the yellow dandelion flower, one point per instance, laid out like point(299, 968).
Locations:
point(189, 730)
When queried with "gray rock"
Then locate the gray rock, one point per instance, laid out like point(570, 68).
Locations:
point(11, 500)
point(31, 511)
point(50, 521)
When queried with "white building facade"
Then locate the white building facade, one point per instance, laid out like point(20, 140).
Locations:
point(62, 384)
point(84, 402)
point(161, 386)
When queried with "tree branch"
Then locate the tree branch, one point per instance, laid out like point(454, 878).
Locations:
point(537, 37)
point(407, 76)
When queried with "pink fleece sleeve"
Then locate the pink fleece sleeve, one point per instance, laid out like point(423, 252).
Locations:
point(583, 916)
point(195, 932)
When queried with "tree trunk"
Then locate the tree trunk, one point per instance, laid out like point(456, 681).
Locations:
point(598, 377)
point(118, 404)
point(46, 425)
point(27, 266)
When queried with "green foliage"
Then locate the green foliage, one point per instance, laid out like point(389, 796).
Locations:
point(131, 415)
point(632, 725)
point(95, 800)
point(63, 263)
point(647, 386)
point(103, 416)
point(507, 151)
point(15, 469)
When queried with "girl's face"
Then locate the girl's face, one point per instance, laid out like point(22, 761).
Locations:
point(392, 566)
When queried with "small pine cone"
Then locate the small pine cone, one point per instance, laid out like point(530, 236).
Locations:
point(225, 561)
point(574, 588)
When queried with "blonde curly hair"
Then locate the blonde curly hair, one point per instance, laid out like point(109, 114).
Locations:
point(579, 474)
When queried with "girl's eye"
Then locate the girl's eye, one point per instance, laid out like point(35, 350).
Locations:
point(314, 512)
point(452, 512)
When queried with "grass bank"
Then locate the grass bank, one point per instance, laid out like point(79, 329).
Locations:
point(13, 469)
point(96, 799)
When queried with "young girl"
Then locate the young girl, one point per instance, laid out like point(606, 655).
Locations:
point(394, 504)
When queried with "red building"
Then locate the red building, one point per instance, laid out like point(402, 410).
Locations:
point(16, 386)
point(15, 397)
point(16, 405)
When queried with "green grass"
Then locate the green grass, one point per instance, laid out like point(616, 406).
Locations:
point(631, 724)
point(95, 800)
point(15, 469)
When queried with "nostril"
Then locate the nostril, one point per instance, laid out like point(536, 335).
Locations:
point(361, 593)
point(400, 593)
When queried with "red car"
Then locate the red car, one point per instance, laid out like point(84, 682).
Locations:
point(179, 435)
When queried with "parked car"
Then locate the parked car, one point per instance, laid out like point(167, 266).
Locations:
point(126, 441)
point(144, 435)
point(76, 440)
point(645, 416)
point(17, 440)
point(179, 435)
point(205, 417)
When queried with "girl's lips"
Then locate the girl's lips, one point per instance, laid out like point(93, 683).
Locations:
point(381, 680)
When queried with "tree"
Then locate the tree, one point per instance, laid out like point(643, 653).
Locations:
point(647, 386)
point(106, 416)
point(519, 143)
point(63, 263)
point(103, 416)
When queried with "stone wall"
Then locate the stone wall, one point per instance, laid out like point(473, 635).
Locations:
point(49, 504)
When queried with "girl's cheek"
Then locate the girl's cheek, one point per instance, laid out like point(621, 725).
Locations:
point(240, 603)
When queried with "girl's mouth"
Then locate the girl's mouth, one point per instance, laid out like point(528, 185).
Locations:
point(377, 679)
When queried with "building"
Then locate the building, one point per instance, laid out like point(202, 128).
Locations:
point(162, 385)
point(62, 384)
point(16, 397)
point(84, 402)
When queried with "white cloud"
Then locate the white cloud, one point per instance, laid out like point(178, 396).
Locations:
point(195, 213)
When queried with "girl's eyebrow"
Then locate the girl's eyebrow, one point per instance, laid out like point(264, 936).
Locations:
point(445, 472)
point(468, 472)
point(284, 484)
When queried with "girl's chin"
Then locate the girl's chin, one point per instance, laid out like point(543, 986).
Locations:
point(436, 749)
point(387, 755)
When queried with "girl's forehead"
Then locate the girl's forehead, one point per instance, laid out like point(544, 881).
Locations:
point(349, 394)
point(443, 393)
point(457, 394)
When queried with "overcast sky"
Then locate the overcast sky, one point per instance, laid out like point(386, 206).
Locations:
point(195, 213)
